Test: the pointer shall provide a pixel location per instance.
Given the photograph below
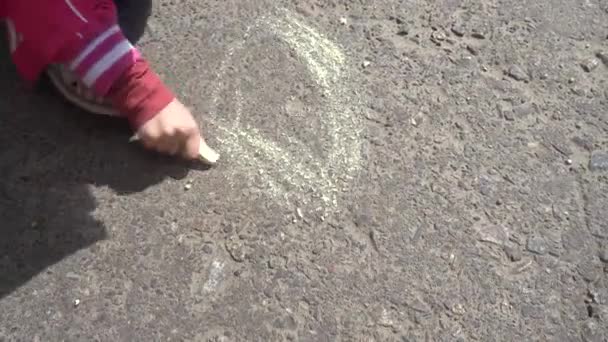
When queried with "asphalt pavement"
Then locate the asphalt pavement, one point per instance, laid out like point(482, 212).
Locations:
point(390, 171)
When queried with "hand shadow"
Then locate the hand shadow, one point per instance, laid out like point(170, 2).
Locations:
point(50, 154)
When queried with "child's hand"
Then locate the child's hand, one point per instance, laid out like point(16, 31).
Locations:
point(173, 131)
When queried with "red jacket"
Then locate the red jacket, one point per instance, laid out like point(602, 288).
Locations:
point(84, 36)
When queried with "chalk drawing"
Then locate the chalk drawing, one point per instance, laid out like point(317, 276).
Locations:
point(320, 179)
point(215, 275)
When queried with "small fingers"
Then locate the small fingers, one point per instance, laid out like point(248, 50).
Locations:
point(168, 144)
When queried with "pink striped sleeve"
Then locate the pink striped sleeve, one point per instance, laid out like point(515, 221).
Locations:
point(101, 62)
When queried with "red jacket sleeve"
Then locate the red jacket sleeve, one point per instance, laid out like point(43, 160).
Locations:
point(83, 34)
point(140, 94)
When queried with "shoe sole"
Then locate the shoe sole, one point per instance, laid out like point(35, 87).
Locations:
point(74, 98)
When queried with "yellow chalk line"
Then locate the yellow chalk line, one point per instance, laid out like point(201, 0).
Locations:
point(325, 62)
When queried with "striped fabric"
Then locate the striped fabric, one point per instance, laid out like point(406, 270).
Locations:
point(104, 59)
point(82, 34)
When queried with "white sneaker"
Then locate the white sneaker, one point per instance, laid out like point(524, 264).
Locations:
point(66, 82)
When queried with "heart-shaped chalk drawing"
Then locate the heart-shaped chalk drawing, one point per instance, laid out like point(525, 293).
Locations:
point(285, 176)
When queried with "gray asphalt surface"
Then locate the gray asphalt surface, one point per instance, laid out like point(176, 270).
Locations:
point(392, 171)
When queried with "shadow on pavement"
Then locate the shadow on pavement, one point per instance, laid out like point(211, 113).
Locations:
point(50, 156)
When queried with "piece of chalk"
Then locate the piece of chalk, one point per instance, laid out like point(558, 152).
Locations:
point(206, 154)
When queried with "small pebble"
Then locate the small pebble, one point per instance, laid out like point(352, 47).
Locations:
point(513, 253)
point(299, 213)
point(478, 35)
point(76, 302)
point(536, 245)
point(485, 186)
point(465, 61)
point(568, 161)
point(571, 80)
point(188, 186)
point(305, 10)
point(604, 255)
point(438, 36)
point(590, 64)
point(603, 56)
point(365, 64)
point(593, 296)
point(403, 30)
point(517, 74)
point(532, 311)
point(343, 21)
point(458, 30)
point(414, 122)
point(459, 309)
point(578, 91)
point(599, 161)
point(473, 50)
point(523, 109)
point(72, 275)
point(502, 108)
point(275, 262)
point(236, 249)
point(589, 271)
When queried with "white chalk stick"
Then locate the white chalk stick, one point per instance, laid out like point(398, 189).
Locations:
point(206, 154)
